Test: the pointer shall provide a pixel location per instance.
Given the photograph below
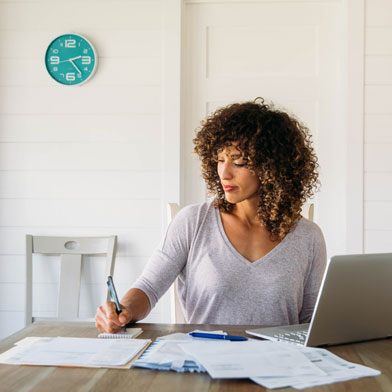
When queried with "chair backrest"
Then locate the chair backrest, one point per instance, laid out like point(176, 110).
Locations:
point(172, 210)
point(70, 250)
point(308, 211)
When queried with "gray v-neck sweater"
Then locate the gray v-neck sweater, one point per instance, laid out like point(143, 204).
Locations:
point(217, 285)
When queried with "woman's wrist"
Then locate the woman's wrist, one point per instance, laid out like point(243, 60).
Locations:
point(136, 303)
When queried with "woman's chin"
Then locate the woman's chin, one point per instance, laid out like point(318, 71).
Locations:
point(231, 199)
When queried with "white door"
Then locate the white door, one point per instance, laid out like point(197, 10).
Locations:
point(288, 52)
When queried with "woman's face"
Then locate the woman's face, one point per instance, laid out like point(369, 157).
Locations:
point(238, 182)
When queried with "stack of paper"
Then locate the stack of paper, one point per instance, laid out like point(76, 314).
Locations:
point(167, 354)
point(270, 364)
point(80, 352)
point(336, 370)
point(227, 359)
point(275, 364)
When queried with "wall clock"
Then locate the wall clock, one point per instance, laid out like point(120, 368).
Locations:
point(71, 59)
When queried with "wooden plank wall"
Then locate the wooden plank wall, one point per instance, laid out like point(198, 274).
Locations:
point(378, 127)
point(81, 160)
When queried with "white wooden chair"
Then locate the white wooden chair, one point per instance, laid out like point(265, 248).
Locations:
point(70, 250)
point(177, 313)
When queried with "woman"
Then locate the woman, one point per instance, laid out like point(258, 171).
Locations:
point(247, 257)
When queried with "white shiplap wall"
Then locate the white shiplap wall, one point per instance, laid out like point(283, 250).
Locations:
point(378, 127)
point(82, 160)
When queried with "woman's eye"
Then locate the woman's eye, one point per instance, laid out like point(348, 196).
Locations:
point(240, 164)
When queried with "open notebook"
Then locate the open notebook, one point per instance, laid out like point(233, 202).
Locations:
point(129, 334)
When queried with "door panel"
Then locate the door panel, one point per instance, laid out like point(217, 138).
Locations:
point(289, 53)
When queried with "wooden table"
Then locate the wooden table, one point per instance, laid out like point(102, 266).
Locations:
point(376, 354)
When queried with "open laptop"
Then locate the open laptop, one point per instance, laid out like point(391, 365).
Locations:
point(354, 304)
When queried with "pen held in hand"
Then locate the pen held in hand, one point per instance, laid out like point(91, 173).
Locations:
point(217, 336)
point(113, 296)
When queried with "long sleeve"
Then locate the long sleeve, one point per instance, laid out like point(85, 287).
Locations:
point(314, 278)
point(169, 259)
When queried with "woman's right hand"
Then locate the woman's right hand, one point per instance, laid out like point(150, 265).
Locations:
point(107, 319)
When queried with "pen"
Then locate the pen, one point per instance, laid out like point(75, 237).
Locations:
point(216, 336)
point(113, 296)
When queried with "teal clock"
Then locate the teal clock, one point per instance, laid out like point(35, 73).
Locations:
point(71, 59)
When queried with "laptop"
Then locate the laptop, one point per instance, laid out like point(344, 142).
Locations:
point(354, 304)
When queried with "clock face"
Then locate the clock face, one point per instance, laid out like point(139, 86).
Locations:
point(71, 59)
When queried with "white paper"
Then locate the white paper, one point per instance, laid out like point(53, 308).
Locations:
point(74, 352)
point(168, 355)
point(250, 358)
point(336, 370)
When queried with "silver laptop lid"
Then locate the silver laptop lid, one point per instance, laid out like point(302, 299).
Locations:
point(354, 301)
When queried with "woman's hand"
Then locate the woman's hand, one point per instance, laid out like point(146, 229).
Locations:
point(135, 306)
point(107, 319)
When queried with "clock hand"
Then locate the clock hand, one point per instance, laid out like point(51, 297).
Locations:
point(74, 58)
point(75, 66)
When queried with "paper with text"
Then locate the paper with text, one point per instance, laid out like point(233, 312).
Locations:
point(82, 352)
point(247, 359)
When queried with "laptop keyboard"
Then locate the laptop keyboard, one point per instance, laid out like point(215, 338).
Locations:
point(294, 337)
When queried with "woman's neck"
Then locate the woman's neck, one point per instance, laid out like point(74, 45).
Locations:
point(246, 211)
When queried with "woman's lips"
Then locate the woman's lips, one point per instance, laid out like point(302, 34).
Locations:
point(229, 188)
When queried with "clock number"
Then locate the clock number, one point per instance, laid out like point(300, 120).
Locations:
point(54, 59)
point(70, 76)
point(70, 43)
point(86, 60)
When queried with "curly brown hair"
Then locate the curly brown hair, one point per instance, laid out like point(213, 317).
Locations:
point(278, 149)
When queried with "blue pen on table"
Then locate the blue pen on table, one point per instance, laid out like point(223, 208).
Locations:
point(113, 296)
point(216, 336)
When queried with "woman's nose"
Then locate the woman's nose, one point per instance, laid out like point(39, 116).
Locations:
point(225, 172)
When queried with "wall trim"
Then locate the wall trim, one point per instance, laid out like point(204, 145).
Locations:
point(171, 104)
point(355, 21)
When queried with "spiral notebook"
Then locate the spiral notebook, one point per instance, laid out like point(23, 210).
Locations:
point(129, 334)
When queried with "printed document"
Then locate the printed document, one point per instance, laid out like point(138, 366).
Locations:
point(251, 358)
point(336, 370)
point(270, 364)
point(80, 352)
